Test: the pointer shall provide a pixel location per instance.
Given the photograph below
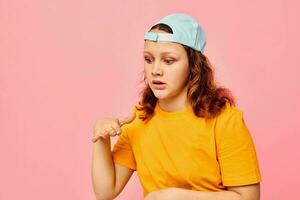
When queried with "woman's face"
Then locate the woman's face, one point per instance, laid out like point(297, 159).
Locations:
point(168, 63)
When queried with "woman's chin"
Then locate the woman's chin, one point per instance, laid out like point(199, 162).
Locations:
point(160, 94)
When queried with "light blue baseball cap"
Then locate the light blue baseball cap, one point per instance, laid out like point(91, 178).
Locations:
point(186, 30)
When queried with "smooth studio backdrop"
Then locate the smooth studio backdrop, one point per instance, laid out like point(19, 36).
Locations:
point(64, 63)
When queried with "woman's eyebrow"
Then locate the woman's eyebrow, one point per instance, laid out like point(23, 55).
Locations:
point(163, 53)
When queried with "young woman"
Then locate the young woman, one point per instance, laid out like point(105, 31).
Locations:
point(186, 139)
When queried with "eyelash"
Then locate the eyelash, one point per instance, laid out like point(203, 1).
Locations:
point(172, 61)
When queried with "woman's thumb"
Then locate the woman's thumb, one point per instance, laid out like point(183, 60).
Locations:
point(127, 119)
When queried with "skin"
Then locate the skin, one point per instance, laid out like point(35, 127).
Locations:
point(108, 178)
point(167, 62)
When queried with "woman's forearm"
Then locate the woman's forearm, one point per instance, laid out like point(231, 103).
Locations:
point(185, 194)
point(103, 171)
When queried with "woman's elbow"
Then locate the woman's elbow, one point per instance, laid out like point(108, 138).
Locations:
point(108, 196)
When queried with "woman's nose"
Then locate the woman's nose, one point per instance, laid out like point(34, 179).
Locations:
point(156, 69)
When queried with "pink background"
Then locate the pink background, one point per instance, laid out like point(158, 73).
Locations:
point(66, 63)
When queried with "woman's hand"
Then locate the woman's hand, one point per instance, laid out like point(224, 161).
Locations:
point(163, 194)
point(106, 127)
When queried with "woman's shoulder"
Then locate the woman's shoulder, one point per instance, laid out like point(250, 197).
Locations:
point(228, 111)
point(136, 120)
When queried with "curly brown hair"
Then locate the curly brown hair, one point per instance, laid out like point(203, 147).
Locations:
point(207, 99)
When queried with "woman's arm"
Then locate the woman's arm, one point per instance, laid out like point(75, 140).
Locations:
point(108, 178)
point(103, 174)
point(247, 192)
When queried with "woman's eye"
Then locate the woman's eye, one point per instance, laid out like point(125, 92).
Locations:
point(169, 61)
point(147, 60)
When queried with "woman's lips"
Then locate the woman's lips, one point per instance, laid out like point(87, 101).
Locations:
point(160, 86)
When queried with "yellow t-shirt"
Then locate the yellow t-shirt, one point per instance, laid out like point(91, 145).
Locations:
point(179, 149)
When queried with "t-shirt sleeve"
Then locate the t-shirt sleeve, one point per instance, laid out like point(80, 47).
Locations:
point(122, 152)
point(235, 150)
